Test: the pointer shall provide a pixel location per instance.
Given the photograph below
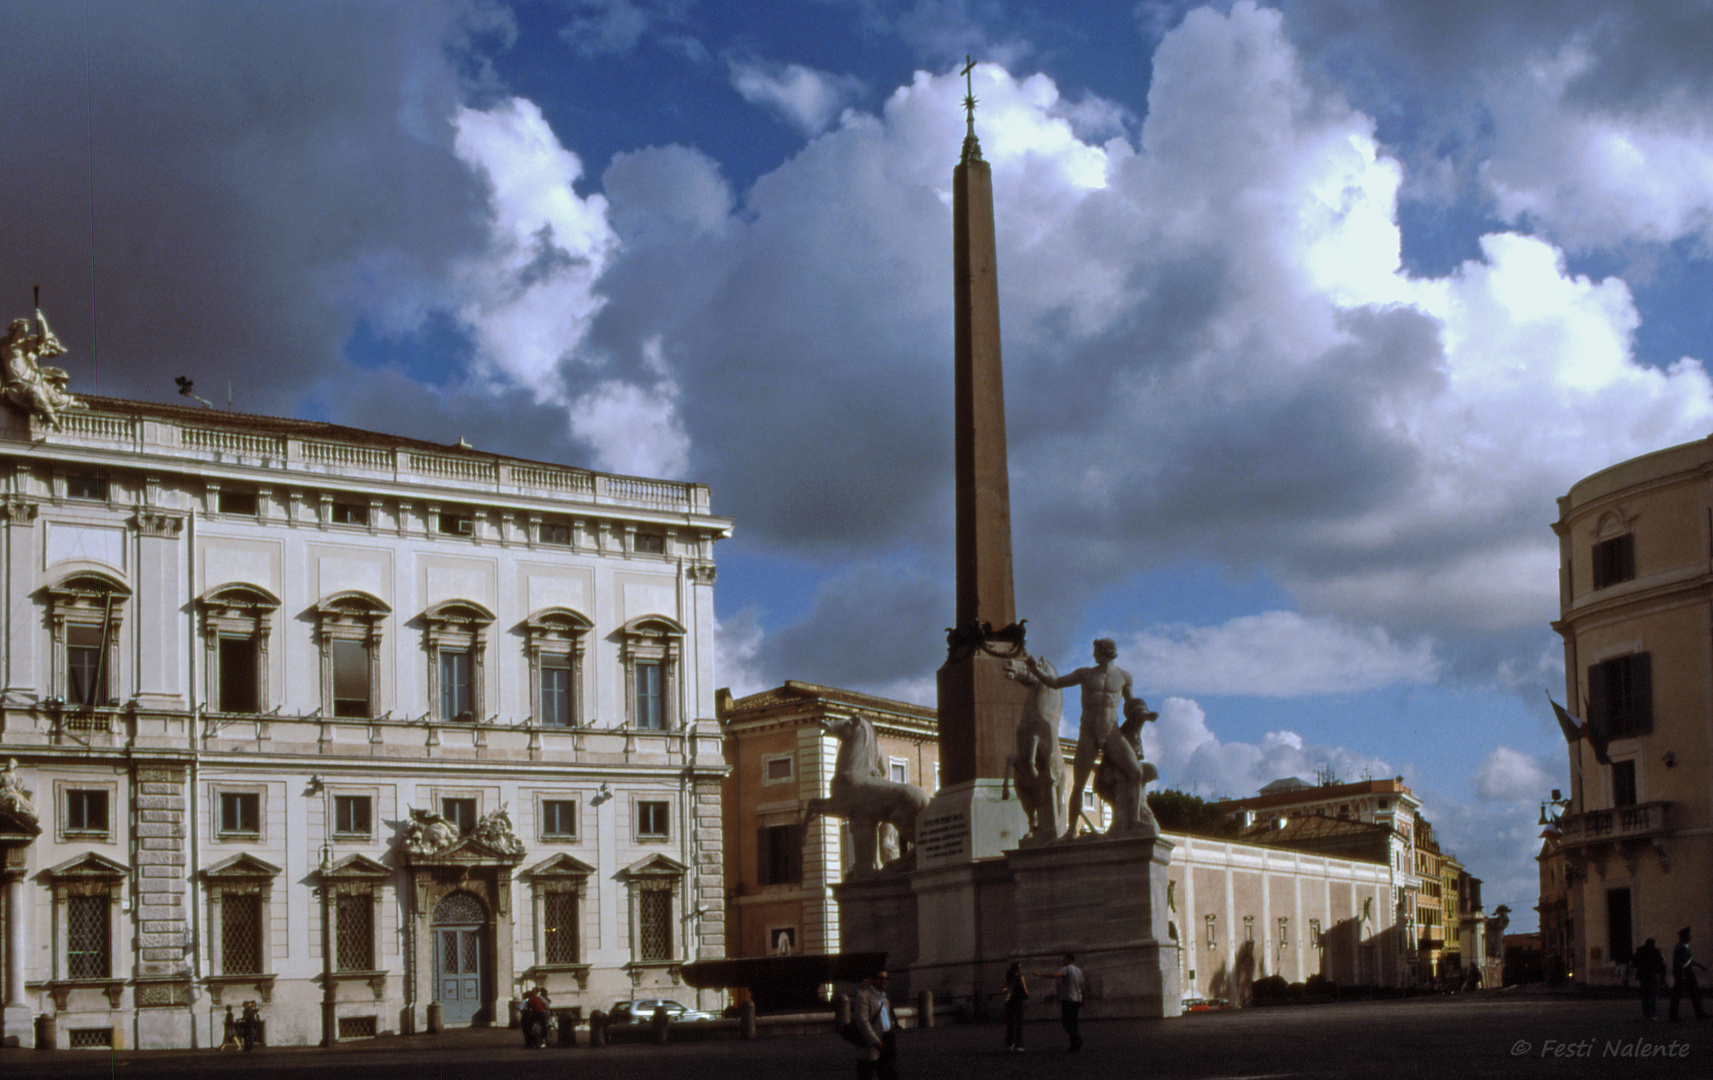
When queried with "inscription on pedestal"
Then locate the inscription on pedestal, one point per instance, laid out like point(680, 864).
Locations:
point(943, 837)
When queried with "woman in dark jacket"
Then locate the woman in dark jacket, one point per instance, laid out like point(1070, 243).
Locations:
point(1016, 993)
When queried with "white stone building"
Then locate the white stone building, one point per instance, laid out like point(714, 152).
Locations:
point(239, 652)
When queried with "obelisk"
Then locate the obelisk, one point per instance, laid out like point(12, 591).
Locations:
point(978, 705)
point(973, 816)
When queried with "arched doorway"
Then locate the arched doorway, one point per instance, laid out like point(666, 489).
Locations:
point(461, 957)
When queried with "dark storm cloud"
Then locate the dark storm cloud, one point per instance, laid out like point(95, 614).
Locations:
point(196, 187)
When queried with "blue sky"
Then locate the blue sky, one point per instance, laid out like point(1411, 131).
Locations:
point(1311, 310)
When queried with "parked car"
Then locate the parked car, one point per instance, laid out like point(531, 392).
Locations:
point(641, 1011)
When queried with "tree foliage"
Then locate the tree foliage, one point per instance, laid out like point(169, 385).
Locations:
point(1180, 812)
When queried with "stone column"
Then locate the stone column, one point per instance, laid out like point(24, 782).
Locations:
point(16, 1021)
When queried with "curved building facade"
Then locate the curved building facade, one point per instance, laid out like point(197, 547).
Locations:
point(1636, 615)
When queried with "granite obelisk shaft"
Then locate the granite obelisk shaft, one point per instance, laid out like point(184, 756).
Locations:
point(978, 706)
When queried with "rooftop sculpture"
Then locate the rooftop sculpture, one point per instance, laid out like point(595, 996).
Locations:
point(29, 384)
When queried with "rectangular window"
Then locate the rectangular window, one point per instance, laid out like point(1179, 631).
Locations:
point(457, 522)
point(558, 819)
point(1249, 928)
point(559, 927)
point(351, 679)
point(556, 691)
point(85, 811)
point(1620, 696)
point(650, 716)
point(88, 937)
point(776, 770)
point(86, 487)
point(652, 820)
point(355, 931)
point(240, 813)
point(651, 543)
point(237, 502)
point(1212, 922)
point(1624, 783)
point(558, 535)
point(655, 916)
point(351, 815)
point(898, 770)
point(86, 668)
point(240, 934)
point(455, 701)
point(779, 854)
point(350, 513)
point(1314, 932)
point(1284, 932)
point(238, 683)
point(460, 812)
point(1614, 561)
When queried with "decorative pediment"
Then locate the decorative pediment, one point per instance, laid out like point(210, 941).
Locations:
point(465, 613)
point(560, 867)
point(242, 868)
point(653, 626)
point(357, 868)
point(558, 621)
point(89, 867)
point(86, 588)
point(654, 866)
point(466, 851)
point(240, 599)
point(353, 602)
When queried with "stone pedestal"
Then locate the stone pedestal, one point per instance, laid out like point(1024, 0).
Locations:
point(1105, 901)
point(877, 913)
point(977, 819)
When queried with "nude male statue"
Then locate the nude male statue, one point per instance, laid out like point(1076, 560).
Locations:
point(1105, 686)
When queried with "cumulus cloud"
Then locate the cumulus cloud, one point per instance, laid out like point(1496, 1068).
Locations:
point(1192, 758)
point(807, 99)
point(1275, 654)
point(1508, 775)
point(529, 297)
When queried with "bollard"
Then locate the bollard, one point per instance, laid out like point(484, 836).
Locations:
point(436, 1018)
point(841, 1010)
point(661, 1020)
point(746, 1014)
point(597, 1029)
point(567, 1031)
point(925, 1009)
point(46, 1032)
point(514, 1013)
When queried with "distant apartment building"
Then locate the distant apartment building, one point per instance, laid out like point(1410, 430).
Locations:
point(1636, 616)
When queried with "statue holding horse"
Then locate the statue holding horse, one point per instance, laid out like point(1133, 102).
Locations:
point(865, 798)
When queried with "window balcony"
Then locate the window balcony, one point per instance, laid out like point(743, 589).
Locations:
point(1640, 822)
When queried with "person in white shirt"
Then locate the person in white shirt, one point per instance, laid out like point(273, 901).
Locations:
point(877, 1057)
point(1071, 987)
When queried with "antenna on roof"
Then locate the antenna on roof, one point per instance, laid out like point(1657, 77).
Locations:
point(187, 388)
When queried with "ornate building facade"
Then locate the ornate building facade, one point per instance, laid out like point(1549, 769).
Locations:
point(371, 731)
point(1632, 854)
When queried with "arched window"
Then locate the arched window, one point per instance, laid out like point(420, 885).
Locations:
point(649, 650)
point(84, 614)
point(236, 622)
point(350, 635)
point(456, 642)
point(555, 644)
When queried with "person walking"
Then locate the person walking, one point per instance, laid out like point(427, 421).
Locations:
point(1683, 965)
point(1649, 964)
point(877, 1055)
point(250, 1027)
point(230, 1039)
point(1016, 993)
point(1071, 987)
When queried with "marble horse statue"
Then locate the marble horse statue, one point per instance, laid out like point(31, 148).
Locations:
point(865, 798)
point(1123, 777)
point(1037, 766)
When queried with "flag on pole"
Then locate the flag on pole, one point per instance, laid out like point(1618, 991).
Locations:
point(1576, 729)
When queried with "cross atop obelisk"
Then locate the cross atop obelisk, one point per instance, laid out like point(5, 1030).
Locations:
point(978, 706)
